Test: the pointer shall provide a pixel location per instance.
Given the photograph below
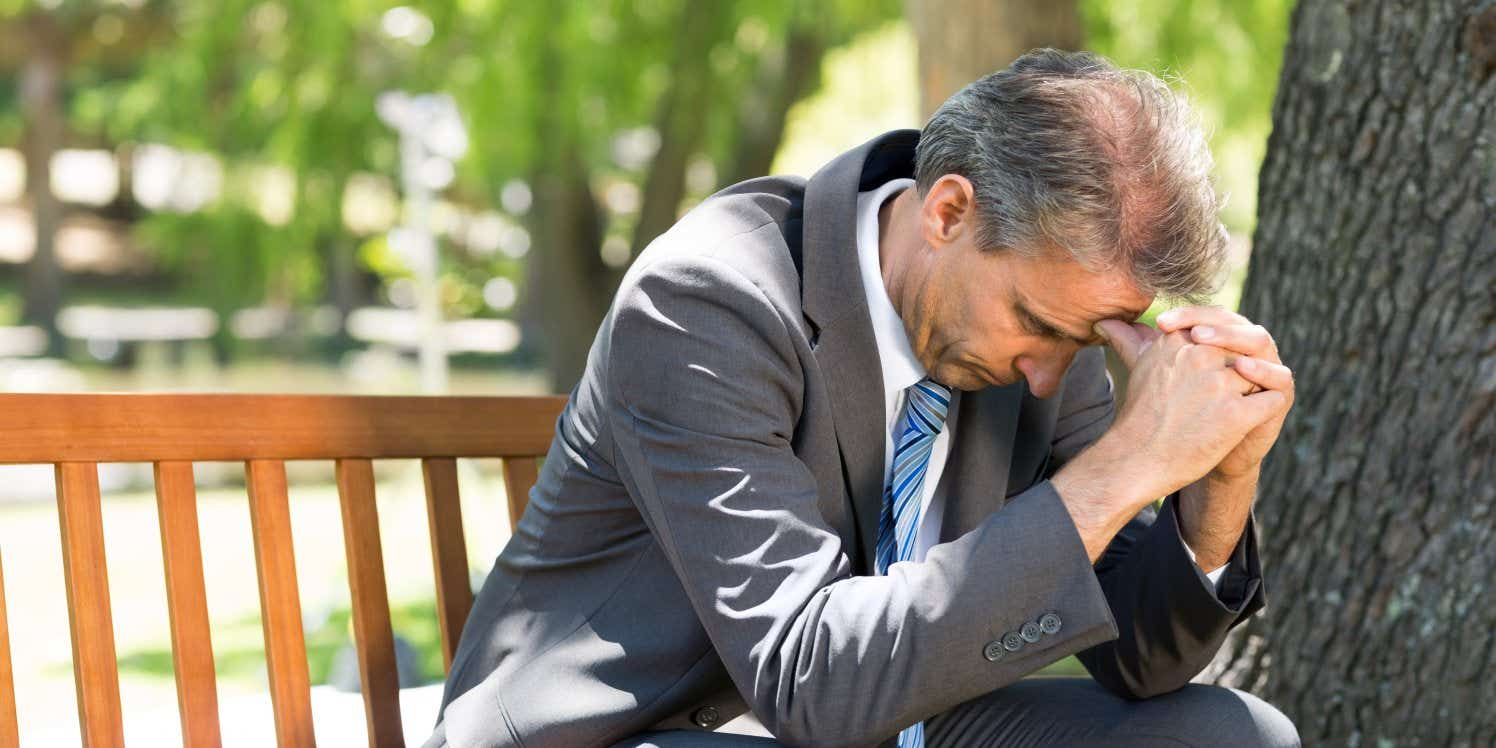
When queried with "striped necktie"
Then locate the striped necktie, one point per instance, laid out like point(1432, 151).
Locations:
point(925, 406)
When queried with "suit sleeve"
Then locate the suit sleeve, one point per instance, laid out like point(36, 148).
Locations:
point(707, 384)
point(1171, 619)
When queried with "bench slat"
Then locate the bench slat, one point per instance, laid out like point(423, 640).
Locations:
point(187, 603)
point(519, 477)
point(49, 428)
point(280, 604)
point(373, 636)
point(454, 592)
point(95, 670)
point(9, 728)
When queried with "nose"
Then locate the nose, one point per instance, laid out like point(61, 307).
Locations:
point(1043, 377)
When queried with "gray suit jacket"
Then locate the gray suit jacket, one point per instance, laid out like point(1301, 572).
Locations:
point(700, 541)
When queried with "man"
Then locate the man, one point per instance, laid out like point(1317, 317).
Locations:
point(844, 462)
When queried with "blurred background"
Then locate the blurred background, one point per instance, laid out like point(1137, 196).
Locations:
point(360, 196)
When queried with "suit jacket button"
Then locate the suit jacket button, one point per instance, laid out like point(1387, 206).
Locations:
point(1029, 632)
point(993, 651)
point(1050, 623)
point(1012, 641)
point(706, 716)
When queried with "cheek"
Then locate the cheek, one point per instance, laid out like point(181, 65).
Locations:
point(998, 344)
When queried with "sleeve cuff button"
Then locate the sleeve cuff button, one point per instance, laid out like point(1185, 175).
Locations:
point(1029, 632)
point(1050, 623)
point(1012, 641)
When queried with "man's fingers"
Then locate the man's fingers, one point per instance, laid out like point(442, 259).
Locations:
point(1264, 405)
point(1264, 374)
point(1189, 316)
point(1248, 340)
point(1126, 341)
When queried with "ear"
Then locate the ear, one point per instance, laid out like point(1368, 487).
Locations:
point(949, 210)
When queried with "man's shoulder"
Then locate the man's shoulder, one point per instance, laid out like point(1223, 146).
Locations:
point(747, 233)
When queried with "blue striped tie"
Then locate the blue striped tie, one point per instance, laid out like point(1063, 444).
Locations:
point(925, 406)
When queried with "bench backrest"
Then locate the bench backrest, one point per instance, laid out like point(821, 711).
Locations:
point(76, 432)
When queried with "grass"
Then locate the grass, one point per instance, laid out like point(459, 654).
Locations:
point(239, 653)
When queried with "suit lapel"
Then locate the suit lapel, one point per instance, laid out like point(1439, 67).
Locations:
point(836, 307)
point(849, 361)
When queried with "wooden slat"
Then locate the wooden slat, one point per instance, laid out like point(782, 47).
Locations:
point(454, 593)
point(373, 637)
point(95, 669)
point(187, 602)
point(10, 733)
point(519, 477)
point(280, 605)
point(46, 428)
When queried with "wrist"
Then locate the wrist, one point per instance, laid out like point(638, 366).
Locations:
point(1212, 515)
point(1223, 477)
point(1100, 493)
point(1116, 463)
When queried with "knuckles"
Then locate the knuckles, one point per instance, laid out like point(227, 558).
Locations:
point(1203, 356)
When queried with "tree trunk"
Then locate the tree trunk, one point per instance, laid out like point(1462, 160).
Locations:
point(786, 75)
point(575, 286)
point(568, 224)
point(567, 285)
point(1375, 268)
point(681, 121)
point(963, 40)
point(345, 289)
point(41, 105)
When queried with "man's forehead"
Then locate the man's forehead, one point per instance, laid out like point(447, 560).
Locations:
point(1083, 304)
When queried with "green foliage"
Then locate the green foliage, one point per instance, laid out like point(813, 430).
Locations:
point(292, 84)
point(256, 84)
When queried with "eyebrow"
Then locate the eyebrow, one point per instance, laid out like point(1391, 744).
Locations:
point(1041, 327)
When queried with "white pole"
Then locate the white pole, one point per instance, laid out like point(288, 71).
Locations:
point(424, 259)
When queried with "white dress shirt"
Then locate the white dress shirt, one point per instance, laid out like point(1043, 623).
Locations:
point(902, 370)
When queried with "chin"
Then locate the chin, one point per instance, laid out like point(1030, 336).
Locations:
point(963, 378)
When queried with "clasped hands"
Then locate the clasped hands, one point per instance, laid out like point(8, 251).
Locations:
point(1205, 402)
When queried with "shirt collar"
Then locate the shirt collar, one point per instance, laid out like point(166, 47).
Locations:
point(900, 368)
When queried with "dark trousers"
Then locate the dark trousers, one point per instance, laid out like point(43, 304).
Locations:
point(1070, 712)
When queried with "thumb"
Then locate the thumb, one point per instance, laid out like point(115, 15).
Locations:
point(1124, 339)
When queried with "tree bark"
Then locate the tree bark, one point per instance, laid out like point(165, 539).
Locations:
point(1375, 268)
point(963, 40)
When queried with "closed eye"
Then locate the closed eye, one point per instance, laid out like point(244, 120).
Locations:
point(1035, 326)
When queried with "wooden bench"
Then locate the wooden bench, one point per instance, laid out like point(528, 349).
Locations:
point(76, 432)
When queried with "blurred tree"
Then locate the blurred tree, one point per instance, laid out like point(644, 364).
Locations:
point(41, 109)
point(963, 40)
point(1375, 266)
point(647, 103)
point(704, 86)
point(52, 47)
point(262, 86)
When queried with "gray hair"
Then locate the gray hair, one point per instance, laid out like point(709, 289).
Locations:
point(1065, 150)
